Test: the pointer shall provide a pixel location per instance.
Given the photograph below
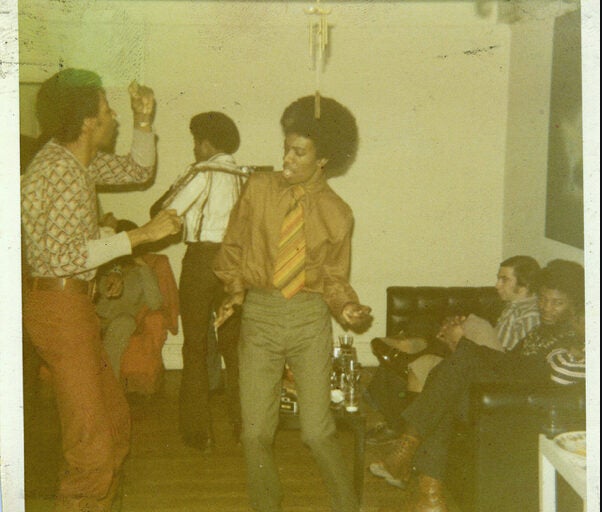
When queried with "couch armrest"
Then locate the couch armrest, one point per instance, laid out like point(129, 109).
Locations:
point(488, 397)
point(560, 407)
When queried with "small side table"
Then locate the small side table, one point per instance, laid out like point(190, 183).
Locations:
point(554, 459)
point(356, 422)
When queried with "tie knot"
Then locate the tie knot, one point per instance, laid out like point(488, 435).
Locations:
point(298, 192)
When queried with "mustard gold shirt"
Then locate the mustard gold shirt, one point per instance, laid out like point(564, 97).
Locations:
point(248, 252)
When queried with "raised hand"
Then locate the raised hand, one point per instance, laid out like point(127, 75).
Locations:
point(142, 100)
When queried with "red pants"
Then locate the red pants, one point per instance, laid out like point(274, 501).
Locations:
point(94, 414)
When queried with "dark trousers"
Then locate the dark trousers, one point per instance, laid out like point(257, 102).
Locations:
point(388, 393)
point(201, 292)
point(444, 399)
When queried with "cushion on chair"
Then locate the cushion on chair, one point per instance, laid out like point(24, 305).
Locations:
point(142, 361)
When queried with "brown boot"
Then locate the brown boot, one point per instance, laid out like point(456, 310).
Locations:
point(396, 469)
point(399, 461)
point(429, 497)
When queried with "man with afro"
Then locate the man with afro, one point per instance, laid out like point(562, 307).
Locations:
point(285, 259)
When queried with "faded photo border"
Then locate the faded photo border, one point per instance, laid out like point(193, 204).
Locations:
point(11, 401)
point(11, 421)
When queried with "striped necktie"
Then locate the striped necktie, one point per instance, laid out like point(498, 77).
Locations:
point(289, 270)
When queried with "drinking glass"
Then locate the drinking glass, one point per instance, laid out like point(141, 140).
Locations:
point(345, 340)
point(352, 378)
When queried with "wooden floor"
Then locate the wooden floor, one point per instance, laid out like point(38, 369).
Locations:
point(163, 475)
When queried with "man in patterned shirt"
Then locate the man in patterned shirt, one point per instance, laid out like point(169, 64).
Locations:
point(63, 249)
point(515, 285)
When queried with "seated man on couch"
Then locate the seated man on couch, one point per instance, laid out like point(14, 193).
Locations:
point(429, 419)
point(515, 286)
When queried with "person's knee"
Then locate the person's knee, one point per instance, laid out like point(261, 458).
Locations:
point(317, 437)
point(123, 323)
point(255, 437)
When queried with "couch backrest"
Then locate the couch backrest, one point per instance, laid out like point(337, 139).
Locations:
point(406, 303)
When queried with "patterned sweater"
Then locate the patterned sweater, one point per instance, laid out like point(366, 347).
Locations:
point(59, 211)
point(566, 367)
point(545, 353)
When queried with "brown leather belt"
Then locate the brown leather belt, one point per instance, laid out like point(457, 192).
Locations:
point(67, 284)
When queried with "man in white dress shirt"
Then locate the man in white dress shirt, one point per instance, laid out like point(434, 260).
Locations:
point(204, 196)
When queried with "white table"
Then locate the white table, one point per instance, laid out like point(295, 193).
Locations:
point(554, 459)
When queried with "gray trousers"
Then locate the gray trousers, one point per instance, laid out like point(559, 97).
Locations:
point(296, 331)
point(117, 337)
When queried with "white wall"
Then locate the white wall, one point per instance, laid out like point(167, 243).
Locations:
point(527, 137)
point(428, 83)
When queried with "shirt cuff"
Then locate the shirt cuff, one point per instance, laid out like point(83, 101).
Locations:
point(234, 287)
point(143, 148)
point(106, 249)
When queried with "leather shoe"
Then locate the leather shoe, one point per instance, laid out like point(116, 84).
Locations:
point(396, 469)
point(392, 358)
point(399, 461)
point(429, 497)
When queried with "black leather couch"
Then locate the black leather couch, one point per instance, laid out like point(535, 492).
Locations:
point(493, 461)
